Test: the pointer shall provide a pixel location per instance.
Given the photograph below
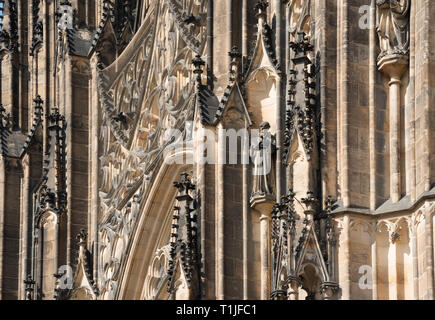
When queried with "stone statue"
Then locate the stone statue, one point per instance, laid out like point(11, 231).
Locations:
point(261, 155)
point(393, 26)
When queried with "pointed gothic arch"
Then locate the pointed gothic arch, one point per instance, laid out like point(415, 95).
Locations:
point(153, 226)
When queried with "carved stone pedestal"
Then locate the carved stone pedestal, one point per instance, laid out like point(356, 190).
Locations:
point(328, 290)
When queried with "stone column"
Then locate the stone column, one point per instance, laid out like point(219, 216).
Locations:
point(394, 66)
point(68, 118)
point(245, 213)
point(25, 227)
point(201, 168)
point(264, 255)
point(94, 155)
point(429, 255)
point(344, 103)
point(264, 204)
point(56, 249)
point(372, 107)
point(230, 26)
point(413, 235)
point(346, 263)
point(245, 31)
point(2, 216)
point(392, 266)
point(220, 242)
point(374, 264)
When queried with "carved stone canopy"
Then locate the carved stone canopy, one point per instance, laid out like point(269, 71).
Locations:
point(302, 255)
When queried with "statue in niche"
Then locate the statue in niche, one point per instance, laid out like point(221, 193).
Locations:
point(262, 150)
point(393, 26)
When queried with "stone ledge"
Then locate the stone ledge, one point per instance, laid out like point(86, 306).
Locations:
point(388, 207)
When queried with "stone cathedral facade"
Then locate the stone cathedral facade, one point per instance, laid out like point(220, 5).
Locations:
point(217, 149)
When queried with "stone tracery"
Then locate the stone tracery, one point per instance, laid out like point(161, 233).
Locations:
point(141, 73)
point(152, 93)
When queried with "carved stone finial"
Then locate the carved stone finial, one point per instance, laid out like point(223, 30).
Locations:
point(234, 53)
point(2, 114)
point(38, 105)
point(82, 237)
point(261, 9)
point(184, 186)
point(198, 62)
point(328, 204)
point(55, 118)
point(302, 45)
point(310, 202)
point(261, 6)
point(194, 20)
